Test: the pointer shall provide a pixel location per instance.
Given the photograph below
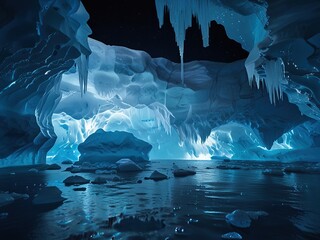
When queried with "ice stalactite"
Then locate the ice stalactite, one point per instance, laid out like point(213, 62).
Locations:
point(244, 21)
point(181, 13)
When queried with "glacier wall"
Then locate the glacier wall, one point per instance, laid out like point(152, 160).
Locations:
point(39, 40)
point(58, 87)
point(215, 114)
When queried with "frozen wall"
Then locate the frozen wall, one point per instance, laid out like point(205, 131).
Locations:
point(215, 114)
point(39, 40)
point(54, 94)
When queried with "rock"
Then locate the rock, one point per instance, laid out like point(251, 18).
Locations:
point(157, 176)
point(67, 162)
point(48, 196)
point(75, 180)
point(110, 147)
point(273, 172)
point(5, 199)
point(99, 180)
point(127, 165)
point(239, 218)
point(183, 172)
point(33, 170)
point(231, 236)
point(53, 167)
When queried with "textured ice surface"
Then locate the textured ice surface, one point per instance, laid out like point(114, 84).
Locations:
point(276, 37)
point(216, 113)
point(39, 41)
point(221, 110)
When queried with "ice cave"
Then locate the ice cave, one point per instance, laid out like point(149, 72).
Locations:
point(109, 110)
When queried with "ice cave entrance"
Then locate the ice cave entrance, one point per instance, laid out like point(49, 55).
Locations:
point(129, 91)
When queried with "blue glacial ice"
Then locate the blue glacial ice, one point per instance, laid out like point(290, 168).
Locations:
point(216, 114)
point(58, 86)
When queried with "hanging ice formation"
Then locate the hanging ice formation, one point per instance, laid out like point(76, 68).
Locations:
point(244, 22)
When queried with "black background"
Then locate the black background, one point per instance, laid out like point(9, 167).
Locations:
point(134, 24)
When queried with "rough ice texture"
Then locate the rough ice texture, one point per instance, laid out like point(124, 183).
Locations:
point(222, 110)
point(127, 165)
point(39, 41)
point(111, 147)
point(216, 113)
point(276, 37)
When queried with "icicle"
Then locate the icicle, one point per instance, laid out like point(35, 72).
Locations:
point(274, 70)
point(249, 30)
point(181, 13)
point(181, 66)
point(82, 65)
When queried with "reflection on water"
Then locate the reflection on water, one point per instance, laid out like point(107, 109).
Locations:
point(197, 203)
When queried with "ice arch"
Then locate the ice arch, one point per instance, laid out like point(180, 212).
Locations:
point(219, 111)
point(216, 113)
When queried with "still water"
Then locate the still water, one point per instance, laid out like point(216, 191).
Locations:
point(197, 204)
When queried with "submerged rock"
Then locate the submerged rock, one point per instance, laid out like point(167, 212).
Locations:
point(75, 180)
point(67, 162)
point(239, 218)
point(231, 236)
point(33, 170)
point(273, 172)
point(110, 147)
point(99, 180)
point(157, 176)
point(53, 167)
point(127, 165)
point(183, 172)
point(48, 196)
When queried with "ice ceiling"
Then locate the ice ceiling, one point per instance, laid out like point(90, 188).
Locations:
point(57, 86)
